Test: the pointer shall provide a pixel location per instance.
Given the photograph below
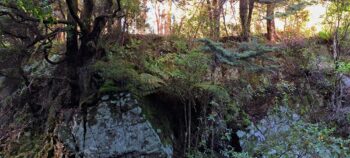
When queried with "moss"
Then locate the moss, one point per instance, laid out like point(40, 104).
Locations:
point(47, 151)
point(91, 120)
point(27, 146)
point(158, 121)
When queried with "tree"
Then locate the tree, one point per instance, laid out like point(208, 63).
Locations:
point(215, 9)
point(83, 32)
point(270, 19)
point(168, 18)
point(245, 13)
point(163, 11)
point(270, 22)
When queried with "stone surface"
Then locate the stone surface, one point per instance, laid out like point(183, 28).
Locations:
point(107, 131)
point(8, 86)
point(41, 68)
point(345, 81)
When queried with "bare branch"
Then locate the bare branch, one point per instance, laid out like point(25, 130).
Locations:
point(74, 15)
point(46, 56)
point(15, 12)
point(15, 35)
point(44, 37)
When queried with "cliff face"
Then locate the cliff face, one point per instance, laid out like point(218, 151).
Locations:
point(36, 121)
point(114, 127)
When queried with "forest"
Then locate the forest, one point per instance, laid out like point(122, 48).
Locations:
point(174, 78)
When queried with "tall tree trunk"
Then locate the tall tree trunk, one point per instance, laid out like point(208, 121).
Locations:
point(211, 17)
point(87, 13)
point(215, 8)
point(107, 9)
point(72, 36)
point(162, 22)
point(158, 19)
point(245, 14)
point(118, 27)
point(168, 18)
point(216, 19)
point(71, 56)
point(142, 26)
point(270, 22)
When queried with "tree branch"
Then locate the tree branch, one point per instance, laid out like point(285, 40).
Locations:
point(100, 21)
point(15, 35)
point(74, 15)
point(46, 56)
point(14, 11)
point(87, 13)
point(44, 37)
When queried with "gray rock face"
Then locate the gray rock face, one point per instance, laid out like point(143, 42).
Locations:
point(8, 86)
point(113, 128)
point(42, 68)
point(345, 81)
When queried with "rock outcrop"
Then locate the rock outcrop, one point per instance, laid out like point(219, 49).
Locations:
point(113, 128)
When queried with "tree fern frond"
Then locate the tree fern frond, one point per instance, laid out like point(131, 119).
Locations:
point(218, 91)
point(249, 51)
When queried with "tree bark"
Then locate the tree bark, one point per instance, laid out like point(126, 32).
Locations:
point(270, 22)
point(168, 18)
point(215, 8)
point(87, 13)
point(142, 28)
point(72, 36)
point(245, 13)
point(216, 18)
point(78, 56)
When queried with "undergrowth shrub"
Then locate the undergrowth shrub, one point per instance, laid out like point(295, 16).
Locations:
point(343, 67)
point(183, 74)
point(325, 35)
point(296, 138)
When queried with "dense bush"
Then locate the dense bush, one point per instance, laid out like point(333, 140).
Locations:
point(284, 134)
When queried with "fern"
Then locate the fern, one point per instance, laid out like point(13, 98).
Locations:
point(149, 84)
point(156, 68)
point(244, 52)
point(122, 75)
point(108, 87)
point(217, 91)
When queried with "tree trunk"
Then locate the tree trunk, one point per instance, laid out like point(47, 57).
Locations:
point(71, 57)
point(79, 56)
point(158, 19)
point(216, 18)
point(215, 8)
point(210, 17)
point(168, 18)
point(142, 25)
point(245, 14)
point(72, 36)
point(270, 22)
point(87, 13)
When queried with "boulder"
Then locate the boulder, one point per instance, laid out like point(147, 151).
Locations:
point(113, 128)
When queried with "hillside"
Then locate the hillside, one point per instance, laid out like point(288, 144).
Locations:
point(77, 80)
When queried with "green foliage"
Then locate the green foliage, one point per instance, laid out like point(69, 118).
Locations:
point(294, 8)
point(122, 75)
point(295, 17)
point(337, 15)
point(233, 154)
point(295, 138)
point(241, 55)
point(192, 66)
point(343, 67)
point(132, 10)
point(38, 9)
point(325, 35)
point(150, 83)
point(216, 90)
